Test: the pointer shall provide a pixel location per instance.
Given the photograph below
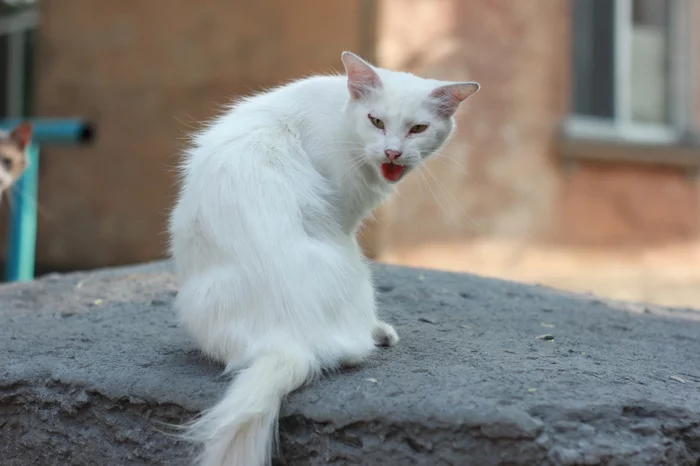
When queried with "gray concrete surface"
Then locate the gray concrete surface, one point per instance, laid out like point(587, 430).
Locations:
point(91, 365)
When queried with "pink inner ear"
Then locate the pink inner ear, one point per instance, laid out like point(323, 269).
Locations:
point(361, 77)
point(22, 135)
point(449, 97)
point(362, 81)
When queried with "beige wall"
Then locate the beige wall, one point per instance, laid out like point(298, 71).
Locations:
point(503, 180)
point(499, 176)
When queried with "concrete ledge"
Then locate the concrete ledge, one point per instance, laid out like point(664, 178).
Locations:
point(89, 363)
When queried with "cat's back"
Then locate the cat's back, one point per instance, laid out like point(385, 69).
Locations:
point(306, 93)
point(248, 175)
point(290, 110)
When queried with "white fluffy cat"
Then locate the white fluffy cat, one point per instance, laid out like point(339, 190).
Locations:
point(273, 282)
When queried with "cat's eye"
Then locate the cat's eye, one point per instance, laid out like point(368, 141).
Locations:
point(376, 122)
point(418, 129)
point(6, 163)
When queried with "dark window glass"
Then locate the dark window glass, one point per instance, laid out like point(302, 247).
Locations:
point(594, 52)
point(4, 56)
point(29, 50)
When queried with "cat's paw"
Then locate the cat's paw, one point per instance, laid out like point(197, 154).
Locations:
point(351, 362)
point(384, 334)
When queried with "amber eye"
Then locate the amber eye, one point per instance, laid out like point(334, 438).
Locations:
point(376, 122)
point(418, 129)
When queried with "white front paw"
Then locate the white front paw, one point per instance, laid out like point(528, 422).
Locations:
point(384, 334)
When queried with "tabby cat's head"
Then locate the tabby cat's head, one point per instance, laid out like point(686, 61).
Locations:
point(13, 154)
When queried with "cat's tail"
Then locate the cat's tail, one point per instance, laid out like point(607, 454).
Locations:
point(240, 430)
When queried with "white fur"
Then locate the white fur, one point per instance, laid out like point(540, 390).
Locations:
point(273, 282)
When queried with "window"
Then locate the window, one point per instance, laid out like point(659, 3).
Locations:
point(18, 22)
point(631, 77)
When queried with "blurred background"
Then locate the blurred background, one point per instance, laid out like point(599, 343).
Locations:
point(575, 166)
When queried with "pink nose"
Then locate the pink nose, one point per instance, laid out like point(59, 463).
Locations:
point(392, 154)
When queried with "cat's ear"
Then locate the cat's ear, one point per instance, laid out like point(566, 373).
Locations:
point(21, 136)
point(362, 78)
point(447, 98)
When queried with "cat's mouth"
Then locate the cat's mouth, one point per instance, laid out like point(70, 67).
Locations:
point(392, 172)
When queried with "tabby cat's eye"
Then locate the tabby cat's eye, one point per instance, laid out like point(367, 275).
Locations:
point(418, 129)
point(6, 163)
point(376, 122)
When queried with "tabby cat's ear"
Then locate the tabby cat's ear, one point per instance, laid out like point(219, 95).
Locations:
point(21, 136)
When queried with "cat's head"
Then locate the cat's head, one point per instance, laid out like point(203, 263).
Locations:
point(400, 118)
point(13, 154)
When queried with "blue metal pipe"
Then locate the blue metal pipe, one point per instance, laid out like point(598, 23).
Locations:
point(21, 243)
point(55, 131)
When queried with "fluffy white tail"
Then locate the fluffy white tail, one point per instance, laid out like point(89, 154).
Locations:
point(240, 429)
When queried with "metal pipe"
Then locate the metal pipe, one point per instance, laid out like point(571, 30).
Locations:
point(55, 131)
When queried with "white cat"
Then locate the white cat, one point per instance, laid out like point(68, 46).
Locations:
point(273, 282)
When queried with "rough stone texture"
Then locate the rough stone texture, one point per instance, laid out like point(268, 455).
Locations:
point(92, 364)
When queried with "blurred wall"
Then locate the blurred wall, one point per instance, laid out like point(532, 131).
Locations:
point(147, 73)
point(499, 177)
point(504, 179)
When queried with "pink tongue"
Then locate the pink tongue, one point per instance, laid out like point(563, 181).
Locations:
point(392, 172)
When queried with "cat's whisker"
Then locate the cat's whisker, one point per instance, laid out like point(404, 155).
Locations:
point(335, 151)
point(439, 185)
point(349, 142)
point(444, 211)
point(353, 169)
point(353, 166)
point(420, 183)
point(444, 159)
point(439, 157)
point(450, 166)
point(340, 147)
point(461, 145)
point(421, 180)
point(448, 193)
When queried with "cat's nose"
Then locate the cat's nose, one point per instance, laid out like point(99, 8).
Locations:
point(392, 154)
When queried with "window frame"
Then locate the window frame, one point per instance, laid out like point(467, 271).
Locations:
point(15, 26)
point(681, 85)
